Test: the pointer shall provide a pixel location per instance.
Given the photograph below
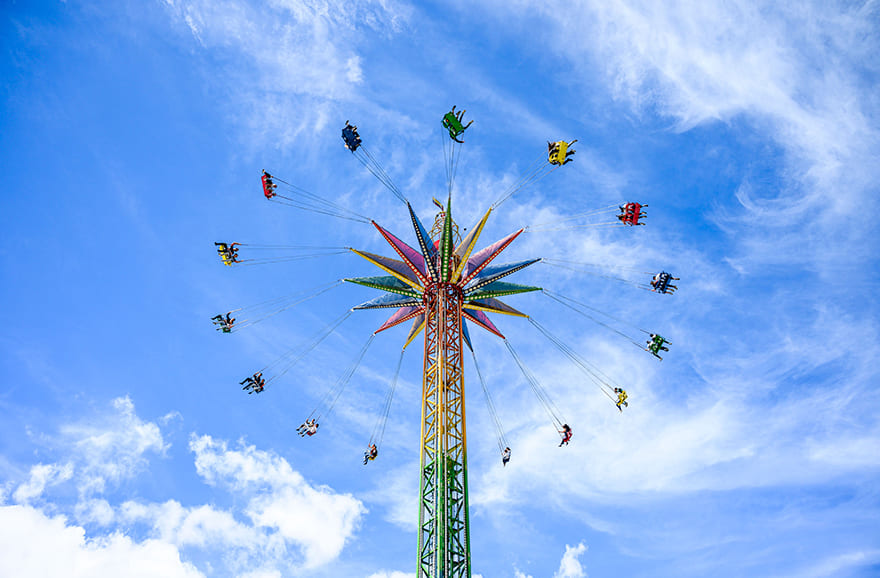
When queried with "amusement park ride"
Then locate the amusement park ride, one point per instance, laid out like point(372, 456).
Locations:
point(440, 286)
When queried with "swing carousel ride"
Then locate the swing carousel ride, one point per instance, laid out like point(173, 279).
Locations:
point(441, 285)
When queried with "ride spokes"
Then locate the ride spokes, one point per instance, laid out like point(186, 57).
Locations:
point(441, 284)
point(659, 282)
point(311, 424)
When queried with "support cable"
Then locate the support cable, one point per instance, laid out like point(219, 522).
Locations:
point(598, 266)
point(567, 301)
point(309, 201)
point(281, 304)
point(601, 211)
point(379, 429)
point(451, 159)
point(536, 172)
point(540, 392)
point(331, 397)
point(596, 375)
point(499, 429)
point(293, 356)
point(288, 258)
point(562, 265)
point(608, 225)
point(363, 155)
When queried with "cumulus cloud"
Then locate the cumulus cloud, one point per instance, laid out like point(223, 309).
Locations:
point(34, 544)
point(285, 524)
point(317, 519)
point(570, 565)
point(202, 526)
point(95, 511)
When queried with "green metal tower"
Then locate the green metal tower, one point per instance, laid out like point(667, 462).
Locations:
point(440, 286)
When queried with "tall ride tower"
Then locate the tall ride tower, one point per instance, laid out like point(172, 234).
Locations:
point(444, 533)
point(440, 287)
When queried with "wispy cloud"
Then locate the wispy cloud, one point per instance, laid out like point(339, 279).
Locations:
point(42, 476)
point(840, 564)
point(797, 74)
point(288, 61)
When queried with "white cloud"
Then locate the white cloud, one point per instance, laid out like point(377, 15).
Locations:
point(317, 519)
point(42, 476)
point(394, 574)
point(285, 524)
point(33, 544)
point(201, 526)
point(169, 417)
point(262, 574)
point(95, 511)
point(113, 450)
point(110, 448)
point(570, 565)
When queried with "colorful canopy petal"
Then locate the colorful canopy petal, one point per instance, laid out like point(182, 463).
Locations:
point(484, 257)
point(464, 249)
point(465, 334)
point(495, 272)
point(410, 256)
point(397, 268)
point(417, 326)
point(401, 315)
point(425, 244)
point(499, 289)
point(480, 319)
point(389, 300)
point(446, 245)
point(441, 262)
point(386, 283)
point(493, 306)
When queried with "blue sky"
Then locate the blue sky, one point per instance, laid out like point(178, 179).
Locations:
point(132, 136)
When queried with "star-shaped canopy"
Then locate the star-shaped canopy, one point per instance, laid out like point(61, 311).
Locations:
point(443, 262)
